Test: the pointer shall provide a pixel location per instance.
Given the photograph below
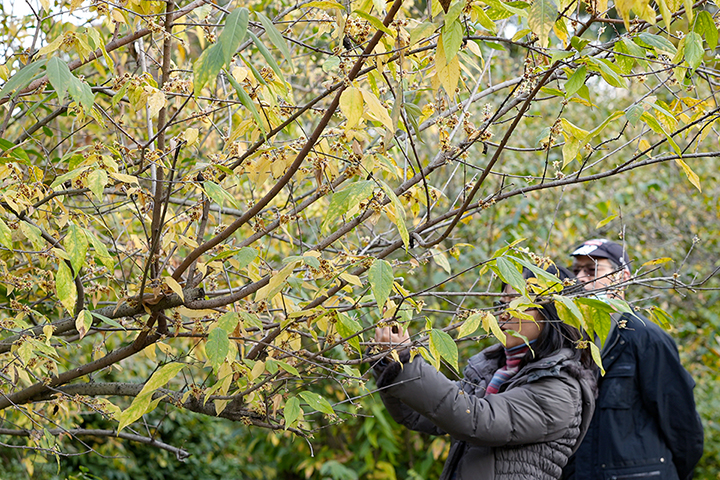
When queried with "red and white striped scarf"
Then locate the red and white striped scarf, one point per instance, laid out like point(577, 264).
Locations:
point(513, 356)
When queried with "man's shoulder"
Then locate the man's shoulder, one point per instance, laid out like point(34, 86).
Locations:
point(634, 327)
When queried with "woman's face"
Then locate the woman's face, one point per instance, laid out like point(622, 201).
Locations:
point(526, 328)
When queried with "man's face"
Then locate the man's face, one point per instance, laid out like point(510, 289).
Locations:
point(596, 273)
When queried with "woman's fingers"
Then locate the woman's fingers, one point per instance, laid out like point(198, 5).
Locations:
point(387, 336)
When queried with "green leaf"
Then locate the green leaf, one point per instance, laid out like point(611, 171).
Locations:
point(317, 402)
point(76, 245)
point(276, 38)
point(83, 322)
point(268, 56)
point(510, 274)
point(291, 412)
point(451, 37)
point(341, 201)
point(605, 221)
point(704, 25)
point(107, 320)
point(485, 21)
point(453, 12)
point(597, 315)
point(33, 234)
point(218, 194)
point(659, 316)
point(247, 102)
point(548, 282)
point(228, 321)
point(470, 325)
point(5, 235)
point(693, 50)
point(64, 81)
point(441, 259)
point(541, 19)
point(233, 33)
point(622, 57)
point(380, 277)
point(14, 151)
point(442, 345)
point(597, 357)
point(633, 114)
point(101, 251)
point(346, 327)
point(71, 175)
point(569, 312)
point(243, 255)
point(65, 287)
point(399, 214)
point(552, 91)
point(657, 42)
point(576, 80)
point(653, 123)
point(421, 32)
point(207, 67)
point(288, 368)
point(560, 54)
point(21, 79)
point(609, 72)
point(97, 179)
point(217, 347)
point(144, 403)
point(375, 22)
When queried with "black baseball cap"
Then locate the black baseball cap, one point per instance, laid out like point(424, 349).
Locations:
point(603, 248)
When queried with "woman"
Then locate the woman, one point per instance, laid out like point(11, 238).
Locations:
point(519, 412)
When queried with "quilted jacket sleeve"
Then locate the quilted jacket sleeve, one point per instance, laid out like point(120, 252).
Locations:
point(386, 372)
point(535, 412)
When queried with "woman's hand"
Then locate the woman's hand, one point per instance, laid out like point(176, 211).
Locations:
point(389, 337)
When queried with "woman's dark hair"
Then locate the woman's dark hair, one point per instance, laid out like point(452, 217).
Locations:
point(555, 334)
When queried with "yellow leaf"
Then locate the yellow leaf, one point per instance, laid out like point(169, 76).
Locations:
point(190, 136)
point(45, 5)
point(325, 5)
point(595, 351)
point(175, 287)
point(351, 279)
point(121, 177)
point(351, 104)
point(117, 16)
point(155, 102)
point(657, 261)
point(52, 46)
point(490, 324)
point(276, 283)
point(83, 322)
point(570, 130)
point(240, 73)
point(623, 7)
point(448, 74)
point(474, 48)
point(186, 312)
point(605, 221)
point(48, 331)
point(692, 176)
point(601, 7)
point(376, 109)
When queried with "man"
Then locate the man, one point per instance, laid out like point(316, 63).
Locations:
point(645, 424)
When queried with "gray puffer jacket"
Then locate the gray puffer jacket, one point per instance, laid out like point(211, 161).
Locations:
point(526, 431)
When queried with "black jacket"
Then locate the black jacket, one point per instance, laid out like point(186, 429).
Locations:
point(645, 424)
